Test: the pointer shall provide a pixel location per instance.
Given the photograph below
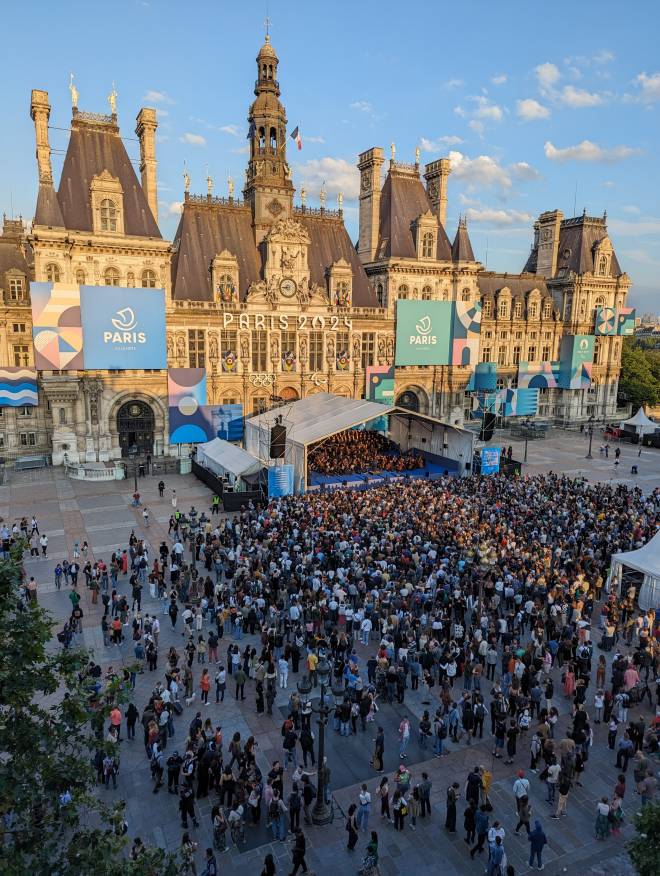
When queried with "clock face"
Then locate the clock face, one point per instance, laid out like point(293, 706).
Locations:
point(288, 287)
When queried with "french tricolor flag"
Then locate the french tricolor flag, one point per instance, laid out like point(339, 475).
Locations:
point(295, 135)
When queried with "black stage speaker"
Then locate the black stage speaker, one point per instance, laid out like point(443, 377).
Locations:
point(277, 441)
point(488, 427)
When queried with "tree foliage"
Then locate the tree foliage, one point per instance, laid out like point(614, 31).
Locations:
point(51, 725)
point(640, 373)
point(644, 849)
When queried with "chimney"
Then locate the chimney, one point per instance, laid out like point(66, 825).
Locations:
point(40, 113)
point(146, 132)
point(549, 225)
point(369, 165)
point(436, 175)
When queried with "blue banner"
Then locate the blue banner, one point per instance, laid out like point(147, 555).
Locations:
point(228, 422)
point(280, 480)
point(123, 328)
point(490, 460)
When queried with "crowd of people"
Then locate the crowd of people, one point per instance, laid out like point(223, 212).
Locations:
point(489, 594)
point(361, 450)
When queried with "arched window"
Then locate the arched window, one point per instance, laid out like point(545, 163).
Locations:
point(380, 295)
point(427, 245)
point(487, 309)
point(503, 309)
point(148, 279)
point(262, 138)
point(53, 273)
point(533, 311)
point(273, 139)
point(111, 277)
point(499, 383)
point(517, 310)
point(270, 71)
point(108, 215)
point(403, 291)
point(600, 301)
point(547, 309)
point(466, 295)
point(130, 279)
point(80, 277)
point(427, 293)
point(602, 266)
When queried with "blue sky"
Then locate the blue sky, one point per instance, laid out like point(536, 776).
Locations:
point(531, 102)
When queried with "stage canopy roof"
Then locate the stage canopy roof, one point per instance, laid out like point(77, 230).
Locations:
point(221, 457)
point(641, 423)
point(647, 561)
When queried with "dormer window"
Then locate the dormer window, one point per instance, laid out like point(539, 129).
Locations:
point(487, 309)
point(427, 245)
point(108, 215)
point(533, 310)
point(53, 273)
point(503, 309)
point(16, 288)
point(111, 277)
point(517, 310)
point(342, 293)
point(547, 309)
point(148, 279)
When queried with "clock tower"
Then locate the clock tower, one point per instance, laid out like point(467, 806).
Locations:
point(268, 187)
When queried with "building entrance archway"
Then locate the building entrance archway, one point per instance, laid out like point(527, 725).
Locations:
point(408, 400)
point(289, 394)
point(135, 427)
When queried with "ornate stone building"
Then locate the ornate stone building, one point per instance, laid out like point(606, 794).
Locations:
point(272, 297)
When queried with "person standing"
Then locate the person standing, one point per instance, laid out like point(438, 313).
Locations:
point(362, 817)
point(425, 795)
point(602, 819)
point(452, 797)
point(379, 750)
point(404, 737)
point(299, 849)
point(43, 541)
point(563, 786)
point(384, 793)
point(161, 488)
point(537, 840)
point(352, 827)
point(481, 827)
point(521, 789)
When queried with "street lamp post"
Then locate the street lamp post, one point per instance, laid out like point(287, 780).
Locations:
point(321, 813)
point(591, 438)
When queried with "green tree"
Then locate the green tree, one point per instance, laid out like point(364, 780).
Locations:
point(639, 374)
point(644, 849)
point(52, 820)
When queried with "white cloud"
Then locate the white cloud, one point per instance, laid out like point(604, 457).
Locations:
point(523, 170)
point(608, 184)
point(193, 139)
point(338, 175)
point(497, 217)
point(233, 130)
point(175, 208)
point(648, 225)
point(477, 126)
point(588, 151)
point(439, 143)
point(482, 170)
point(499, 80)
point(650, 87)
point(157, 97)
point(530, 110)
point(630, 208)
point(161, 112)
point(546, 75)
point(308, 139)
point(486, 109)
point(579, 97)
point(362, 106)
point(453, 83)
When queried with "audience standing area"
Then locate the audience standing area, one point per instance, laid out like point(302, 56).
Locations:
point(410, 445)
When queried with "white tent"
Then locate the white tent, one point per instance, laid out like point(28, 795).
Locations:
point(645, 560)
point(323, 414)
point(225, 459)
point(641, 423)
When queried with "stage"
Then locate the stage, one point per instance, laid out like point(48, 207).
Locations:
point(374, 478)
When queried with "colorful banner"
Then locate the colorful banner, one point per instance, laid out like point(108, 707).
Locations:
point(190, 418)
point(380, 388)
point(229, 362)
point(576, 356)
point(18, 387)
point(123, 328)
point(538, 375)
point(518, 402)
point(611, 321)
point(228, 422)
point(289, 361)
point(423, 332)
point(280, 480)
point(483, 378)
point(466, 329)
point(490, 460)
point(343, 360)
point(56, 326)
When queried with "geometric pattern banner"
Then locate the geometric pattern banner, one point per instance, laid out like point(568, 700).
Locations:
point(611, 321)
point(56, 326)
point(18, 387)
point(466, 328)
point(189, 416)
point(538, 375)
point(519, 402)
point(483, 378)
point(228, 422)
point(576, 355)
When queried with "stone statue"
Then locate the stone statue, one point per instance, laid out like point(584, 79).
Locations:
point(209, 184)
point(330, 349)
point(170, 348)
point(112, 100)
point(230, 186)
point(180, 347)
point(186, 179)
point(340, 200)
point(381, 347)
point(418, 153)
point(356, 348)
point(74, 93)
point(245, 347)
point(322, 195)
point(303, 348)
point(274, 348)
point(288, 258)
point(303, 195)
point(213, 347)
point(392, 151)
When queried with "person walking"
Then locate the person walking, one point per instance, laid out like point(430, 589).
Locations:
point(299, 849)
point(602, 826)
point(481, 827)
point(379, 750)
point(524, 815)
point(352, 827)
point(537, 840)
point(520, 788)
point(563, 786)
point(452, 797)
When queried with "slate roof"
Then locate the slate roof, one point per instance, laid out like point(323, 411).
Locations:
point(12, 252)
point(519, 284)
point(577, 239)
point(94, 147)
point(403, 199)
point(461, 248)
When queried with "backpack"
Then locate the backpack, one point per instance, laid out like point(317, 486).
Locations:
point(294, 801)
point(273, 810)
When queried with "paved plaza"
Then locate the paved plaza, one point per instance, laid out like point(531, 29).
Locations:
point(101, 513)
